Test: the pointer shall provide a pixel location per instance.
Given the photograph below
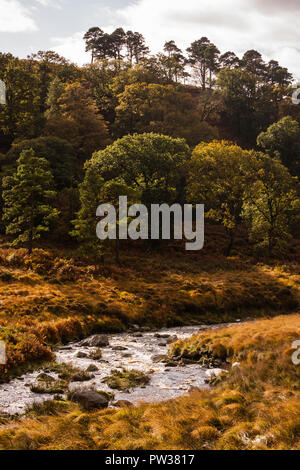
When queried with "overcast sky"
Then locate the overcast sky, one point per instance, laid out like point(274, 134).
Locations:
point(270, 26)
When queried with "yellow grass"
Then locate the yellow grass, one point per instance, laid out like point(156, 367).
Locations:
point(256, 406)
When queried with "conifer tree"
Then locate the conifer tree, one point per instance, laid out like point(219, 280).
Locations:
point(27, 199)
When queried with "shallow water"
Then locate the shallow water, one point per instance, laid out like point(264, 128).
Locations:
point(165, 383)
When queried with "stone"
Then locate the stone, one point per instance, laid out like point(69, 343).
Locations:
point(92, 368)
point(172, 339)
point(81, 355)
point(159, 358)
point(82, 377)
point(90, 400)
point(44, 376)
point(98, 341)
point(119, 348)
point(123, 404)
point(236, 364)
point(215, 372)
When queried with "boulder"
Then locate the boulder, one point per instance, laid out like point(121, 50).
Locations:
point(172, 339)
point(98, 341)
point(81, 355)
point(90, 400)
point(92, 368)
point(119, 348)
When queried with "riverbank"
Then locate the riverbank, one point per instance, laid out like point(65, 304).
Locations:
point(255, 405)
point(51, 298)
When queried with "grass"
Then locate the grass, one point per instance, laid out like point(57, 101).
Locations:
point(57, 296)
point(126, 380)
point(256, 406)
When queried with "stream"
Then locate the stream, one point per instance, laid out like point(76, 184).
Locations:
point(127, 350)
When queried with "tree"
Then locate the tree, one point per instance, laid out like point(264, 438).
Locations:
point(46, 65)
point(218, 177)
point(203, 57)
point(136, 47)
point(229, 60)
point(173, 62)
point(92, 40)
point(161, 109)
point(59, 153)
point(277, 75)
point(246, 108)
point(271, 204)
point(78, 121)
point(27, 199)
point(56, 89)
point(282, 140)
point(21, 116)
point(253, 63)
point(151, 165)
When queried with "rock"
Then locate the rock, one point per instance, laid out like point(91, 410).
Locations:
point(96, 354)
point(98, 341)
point(159, 358)
point(92, 368)
point(81, 355)
point(171, 364)
point(236, 364)
point(188, 361)
point(162, 344)
point(65, 348)
point(123, 404)
point(215, 372)
point(135, 327)
point(126, 355)
point(119, 348)
point(158, 335)
point(172, 339)
point(90, 400)
point(82, 377)
point(44, 376)
point(137, 335)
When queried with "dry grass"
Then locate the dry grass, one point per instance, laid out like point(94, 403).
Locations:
point(255, 407)
point(51, 298)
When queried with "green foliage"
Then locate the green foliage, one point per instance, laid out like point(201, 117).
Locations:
point(271, 204)
point(282, 140)
point(58, 152)
point(27, 196)
point(218, 177)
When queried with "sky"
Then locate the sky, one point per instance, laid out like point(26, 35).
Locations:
point(269, 26)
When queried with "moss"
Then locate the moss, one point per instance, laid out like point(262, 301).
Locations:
point(126, 380)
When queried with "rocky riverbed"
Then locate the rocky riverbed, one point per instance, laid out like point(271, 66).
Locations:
point(139, 351)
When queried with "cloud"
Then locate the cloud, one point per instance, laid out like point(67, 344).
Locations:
point(236, 25)
point(15, 18)
point(51, 3)
point(270, 26)
point(281, 6)
point(72, 47)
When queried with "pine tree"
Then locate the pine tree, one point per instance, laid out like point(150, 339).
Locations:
point(55, 91)
point(27, 199)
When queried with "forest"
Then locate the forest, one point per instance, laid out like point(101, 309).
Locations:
point(192, 126)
